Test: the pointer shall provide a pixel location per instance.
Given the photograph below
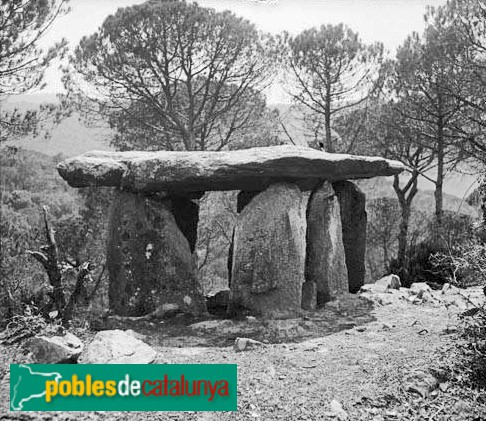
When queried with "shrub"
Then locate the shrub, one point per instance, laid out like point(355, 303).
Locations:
point(452, 254)
point(473, 331)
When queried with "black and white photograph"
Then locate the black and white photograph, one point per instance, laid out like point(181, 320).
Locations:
point(243, 210)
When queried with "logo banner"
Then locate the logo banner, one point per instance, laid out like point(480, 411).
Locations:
point(123, 387)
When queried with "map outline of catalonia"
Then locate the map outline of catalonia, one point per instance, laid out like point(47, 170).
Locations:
point(20, 405)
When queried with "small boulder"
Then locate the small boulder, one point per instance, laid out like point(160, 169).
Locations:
point(117, 347)
point(220, 325)
point(243, 344)
point(338, 411)
point(447, 288)
point(55, 349)
point(390, 282)
point(385, 284)
point(419, 288)
point(372, 289)
point(421, 383)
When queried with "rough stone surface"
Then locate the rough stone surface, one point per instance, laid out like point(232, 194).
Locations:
point(352, 203)
point(419, 288)
point(390, 282)
point(269, 253)
point(325, 261)
point(54, 349)
point(149, 259)
point(248, 169)
point(242, 199)
point(309, 295)
point(244, 344)
point(117, 347)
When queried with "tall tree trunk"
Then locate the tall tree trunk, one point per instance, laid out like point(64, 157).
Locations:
point(327, 123)
point(440, 175)
point(482, 195)
point(403, 234)
point(405, 202)
point(191, 141)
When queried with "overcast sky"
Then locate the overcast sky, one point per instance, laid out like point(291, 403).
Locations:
point(388, 21)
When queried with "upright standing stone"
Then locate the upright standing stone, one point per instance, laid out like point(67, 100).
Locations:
point(149, 259)
point(352, 202)
point(269, 253)
point(309, 295)
point(325, 262)
point(242, 199)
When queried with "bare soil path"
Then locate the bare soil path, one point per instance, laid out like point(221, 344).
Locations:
point(375, 361)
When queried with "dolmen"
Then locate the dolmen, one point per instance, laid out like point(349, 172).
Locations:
point(299, 239)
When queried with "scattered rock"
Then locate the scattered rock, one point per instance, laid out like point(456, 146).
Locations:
point(390, 282)
point(338, 410)
point(243, 344)
point(55, 349)
point(384, 299)
point(385, 284)
point(419, 288)
point(212, 324)
point(447, 288)
point(117, 347)
point(166, 310)
point(421, 383)
point(427, 297)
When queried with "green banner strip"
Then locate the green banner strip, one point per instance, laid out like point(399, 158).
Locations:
point(123, 387)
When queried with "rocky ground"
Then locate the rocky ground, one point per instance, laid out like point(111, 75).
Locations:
point(390, 354)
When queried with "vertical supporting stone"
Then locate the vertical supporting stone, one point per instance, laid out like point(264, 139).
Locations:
point(269, 253)
point(149, 260)
point(325, 261)
point(309, 295)
point(352, 202)
point(242, 199)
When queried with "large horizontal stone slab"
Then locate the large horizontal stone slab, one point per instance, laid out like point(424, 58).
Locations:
point(246, 169)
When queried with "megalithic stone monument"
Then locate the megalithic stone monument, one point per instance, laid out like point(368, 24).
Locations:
point(277, 244)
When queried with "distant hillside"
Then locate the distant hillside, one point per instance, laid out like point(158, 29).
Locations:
point(424, 200)
point(69, 138)
point(72, 138)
